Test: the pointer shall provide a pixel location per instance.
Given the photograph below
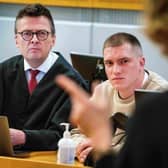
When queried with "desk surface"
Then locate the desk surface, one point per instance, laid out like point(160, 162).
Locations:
point(46, 159)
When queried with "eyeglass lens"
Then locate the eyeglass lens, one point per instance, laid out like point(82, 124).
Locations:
point(28, 35)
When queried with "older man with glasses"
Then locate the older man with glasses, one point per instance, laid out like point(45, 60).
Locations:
point(35, 107)
point(41, 35)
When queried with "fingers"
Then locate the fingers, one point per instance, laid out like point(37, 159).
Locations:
point(83, 155)
point(83, 145)
point(79, 97)
point(83, 149)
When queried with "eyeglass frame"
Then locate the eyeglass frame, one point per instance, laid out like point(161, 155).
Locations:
point(34, 33)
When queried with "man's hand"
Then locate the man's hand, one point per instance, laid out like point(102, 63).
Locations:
point(92, 118)
point(83, 149)
point(17, 137)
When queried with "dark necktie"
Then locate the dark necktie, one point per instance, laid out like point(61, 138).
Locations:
point(33, 82)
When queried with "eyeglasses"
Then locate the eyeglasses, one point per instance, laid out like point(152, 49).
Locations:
point(28, 35)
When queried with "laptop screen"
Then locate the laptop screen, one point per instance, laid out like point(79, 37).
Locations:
point(6, 147)
point(5, 142)
point(88, 65)
point(143, 93)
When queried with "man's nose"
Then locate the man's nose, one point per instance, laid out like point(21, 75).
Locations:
point(116, 68)
point(34, 38)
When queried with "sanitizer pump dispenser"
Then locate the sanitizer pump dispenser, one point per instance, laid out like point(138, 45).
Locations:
point(66, 147)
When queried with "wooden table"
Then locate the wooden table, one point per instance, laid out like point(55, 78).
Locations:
point(45, 159)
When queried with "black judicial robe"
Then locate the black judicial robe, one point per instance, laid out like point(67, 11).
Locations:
point(39, 115)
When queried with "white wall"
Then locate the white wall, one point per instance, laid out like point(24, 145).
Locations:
point(85, 37)
point(7, 46)
point(70, 36)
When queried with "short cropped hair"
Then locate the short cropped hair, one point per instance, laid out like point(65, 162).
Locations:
point(121, 38)
point(35, 10)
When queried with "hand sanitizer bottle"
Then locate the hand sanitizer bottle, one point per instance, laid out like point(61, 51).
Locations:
point(66, 147)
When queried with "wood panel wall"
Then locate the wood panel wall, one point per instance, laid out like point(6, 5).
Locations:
point(103, 4)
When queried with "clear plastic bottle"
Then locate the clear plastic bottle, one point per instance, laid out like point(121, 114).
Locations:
point(66, 147)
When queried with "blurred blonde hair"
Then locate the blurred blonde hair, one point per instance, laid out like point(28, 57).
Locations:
point(156, 14)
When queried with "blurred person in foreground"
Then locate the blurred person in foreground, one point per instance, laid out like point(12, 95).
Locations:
point(35, 107)
point(147, 141)
point(124, 64)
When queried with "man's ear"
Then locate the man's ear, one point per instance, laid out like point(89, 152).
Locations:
point(54, 40)
point(142, 61)
point(16, 41)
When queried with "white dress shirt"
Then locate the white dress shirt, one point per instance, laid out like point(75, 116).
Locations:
point(43, 68)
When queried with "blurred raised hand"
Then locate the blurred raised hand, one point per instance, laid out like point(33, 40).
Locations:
point(92, 118)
